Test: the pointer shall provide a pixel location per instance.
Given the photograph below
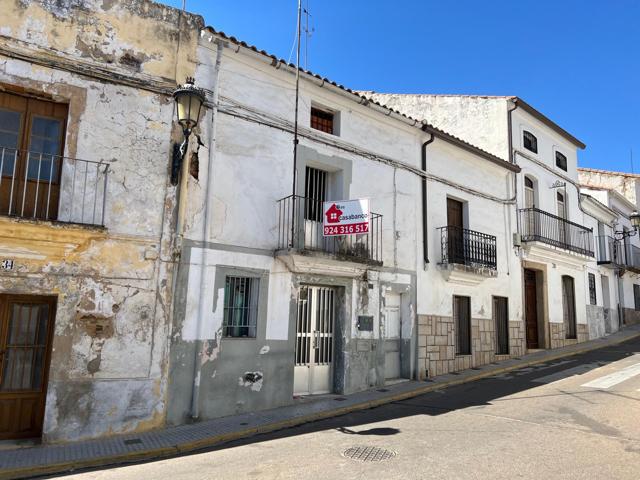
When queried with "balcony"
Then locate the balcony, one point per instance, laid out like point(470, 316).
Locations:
point(42, 186)
point(300, 232)
point(614, 253)
point(473, 249)
point(539, 226)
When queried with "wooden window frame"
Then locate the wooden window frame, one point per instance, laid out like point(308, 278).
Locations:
point(323, 120)
point(561, 161)
point(529, 141)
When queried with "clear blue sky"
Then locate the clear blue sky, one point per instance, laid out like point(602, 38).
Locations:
point(577, 61)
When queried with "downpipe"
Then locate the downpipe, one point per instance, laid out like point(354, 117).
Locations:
point(199, 344)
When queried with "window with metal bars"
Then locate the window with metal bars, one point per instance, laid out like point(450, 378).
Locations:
point(636, 296)
point(462, 318)
point(561, 161)
point(315, 192)
point(240, 307)
point(322, 120)
point(530, 141)
point(593, 300)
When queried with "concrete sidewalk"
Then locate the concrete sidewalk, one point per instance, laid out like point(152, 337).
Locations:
point(49, 459)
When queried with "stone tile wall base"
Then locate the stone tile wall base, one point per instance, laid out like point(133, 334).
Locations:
point(437, 350)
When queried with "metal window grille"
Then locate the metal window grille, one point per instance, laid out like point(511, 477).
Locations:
point(462, 317)
point(592, 289)
point(530, 141)
point(561, 161)
point(636, 296)
point(501, 313)
point(240, 307)
point(315, 188)
point(569, 306)
point(322, 120)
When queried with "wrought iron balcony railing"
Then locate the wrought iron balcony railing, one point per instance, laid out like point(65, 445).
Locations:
point(51, 187)
point(610, 251)
point(300, 228)
point(461, 246)
point(536, 225)
point(616, 253)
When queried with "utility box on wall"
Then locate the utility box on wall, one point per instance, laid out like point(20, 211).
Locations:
point(365, 323)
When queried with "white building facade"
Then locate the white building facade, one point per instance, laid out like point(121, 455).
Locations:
point(267, 308)
point(553, 242)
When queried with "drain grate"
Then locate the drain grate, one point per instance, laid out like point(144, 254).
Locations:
point(368, 454)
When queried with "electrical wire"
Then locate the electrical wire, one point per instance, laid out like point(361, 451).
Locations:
point(236, 109)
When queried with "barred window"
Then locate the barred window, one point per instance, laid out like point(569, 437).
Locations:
point(315, 192)
point(636, 296)
point(592, 289)
point(322, 120)
point(530, 141)
point(240, 307)
point(561, 161)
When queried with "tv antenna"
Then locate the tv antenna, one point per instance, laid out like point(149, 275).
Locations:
point(307, 34)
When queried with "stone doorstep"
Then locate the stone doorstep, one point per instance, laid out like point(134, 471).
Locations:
point(22, 462)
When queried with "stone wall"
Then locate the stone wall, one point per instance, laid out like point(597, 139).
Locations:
point(437, 350)
point(631, 316)
point(559, 335)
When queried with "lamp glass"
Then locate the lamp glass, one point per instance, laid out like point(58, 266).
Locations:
point(189, 105)
point(635, 220)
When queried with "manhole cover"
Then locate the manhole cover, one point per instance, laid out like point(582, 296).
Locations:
point(368, 454)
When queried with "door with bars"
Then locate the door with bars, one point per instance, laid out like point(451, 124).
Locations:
point(314, 340)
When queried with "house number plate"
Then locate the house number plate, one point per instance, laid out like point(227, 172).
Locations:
point(6, 264)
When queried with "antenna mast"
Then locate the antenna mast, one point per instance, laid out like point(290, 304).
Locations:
point(295, 122)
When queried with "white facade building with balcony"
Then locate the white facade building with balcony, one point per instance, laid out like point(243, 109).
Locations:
point(267, 308)
point(555, 246)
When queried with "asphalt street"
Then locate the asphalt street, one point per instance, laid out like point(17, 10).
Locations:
point(576, 418)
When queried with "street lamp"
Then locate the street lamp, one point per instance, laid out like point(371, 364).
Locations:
point(635, 223)
point(189, 100)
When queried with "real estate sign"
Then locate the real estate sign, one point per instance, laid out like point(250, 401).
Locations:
point(346, 217)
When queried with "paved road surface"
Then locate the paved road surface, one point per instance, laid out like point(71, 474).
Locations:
point(577, 418)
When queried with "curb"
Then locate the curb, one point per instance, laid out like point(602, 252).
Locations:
point(188, 447)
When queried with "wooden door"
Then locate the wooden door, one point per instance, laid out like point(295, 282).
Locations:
point(455, 233)
point(531, 308)
point(501, 315)
point(569, 306)
point(26, 331)
point(31, 144)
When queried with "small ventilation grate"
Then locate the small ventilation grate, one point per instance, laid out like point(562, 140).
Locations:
point(132, 441)
point(368, 454)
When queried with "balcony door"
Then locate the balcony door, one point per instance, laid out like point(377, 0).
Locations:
point(455, 225)
point(31, 144)
point(562, 213)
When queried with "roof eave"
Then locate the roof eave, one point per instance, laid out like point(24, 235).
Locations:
point(548, 122)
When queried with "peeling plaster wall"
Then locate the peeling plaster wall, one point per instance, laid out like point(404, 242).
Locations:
point(110, 61)
point(476, 119)
point(626, 184)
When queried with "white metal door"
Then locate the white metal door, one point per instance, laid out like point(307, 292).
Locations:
point(392, 320)
point(314, 341)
